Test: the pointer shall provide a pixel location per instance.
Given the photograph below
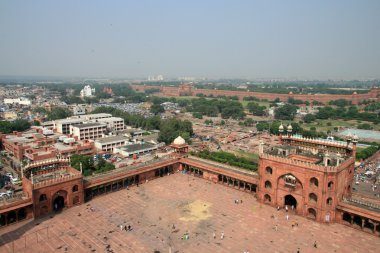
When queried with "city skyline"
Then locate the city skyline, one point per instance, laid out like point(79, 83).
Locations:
point(246, 40)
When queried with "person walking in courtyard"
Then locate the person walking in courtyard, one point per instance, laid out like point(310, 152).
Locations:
point(121, 227)
point(213, 235)
point(292, 207)
point(287, 216)
point(286, 208)
point(222, 236)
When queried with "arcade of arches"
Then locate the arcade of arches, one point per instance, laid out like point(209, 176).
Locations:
point(222, 179)
point(124, 183)
point(361, 223)
point(13, 216)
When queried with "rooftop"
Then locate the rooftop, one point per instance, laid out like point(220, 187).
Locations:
point(52, 175)
point(110, 119)
point(135, 147)
point(112, 139)
point(86, 125)
point(66, 121)
point(94, 115)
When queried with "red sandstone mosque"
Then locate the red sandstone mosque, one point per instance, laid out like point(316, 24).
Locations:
point(311, 176)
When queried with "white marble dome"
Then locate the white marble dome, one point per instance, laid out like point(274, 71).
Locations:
point(179, 141)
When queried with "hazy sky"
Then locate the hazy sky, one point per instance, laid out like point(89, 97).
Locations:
point(244, 39)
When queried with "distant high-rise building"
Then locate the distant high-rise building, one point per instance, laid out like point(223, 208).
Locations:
point(156, 78)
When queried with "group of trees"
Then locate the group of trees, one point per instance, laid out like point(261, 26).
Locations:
point(340, 102)
point(228, 158)
point(286, 112)
point(54, 114)
point(89, 166)
point(172, 128)
point(372, 107)
point(367, 152)
point(256, 109)
point(272, 127)
point(17, 125)
point(349, 114)
point(213, 107)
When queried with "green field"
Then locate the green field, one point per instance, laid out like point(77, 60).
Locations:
point(248, 155)
point(261, 103)
point(186, 97)
point(321, 125)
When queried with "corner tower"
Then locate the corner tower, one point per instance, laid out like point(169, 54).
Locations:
point(312, 175)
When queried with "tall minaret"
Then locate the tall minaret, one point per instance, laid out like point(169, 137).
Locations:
point(281, 131)
point(355, 140)
point(290, 129)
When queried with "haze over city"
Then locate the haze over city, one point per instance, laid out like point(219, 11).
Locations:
point(212, 39)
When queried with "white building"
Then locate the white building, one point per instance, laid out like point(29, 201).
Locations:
point(20, 101)
point(109, 143)
point(89, 131)
point(104, 119)
point(87, 91)
point(113, 123)
point(137, 149)
point(63, 125)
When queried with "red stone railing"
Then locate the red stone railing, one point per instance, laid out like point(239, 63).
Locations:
point(300, 163)
point(362, 203)
point(14, 200)
point(56, 180)
point(223, 166)
point(129, 171)
point(316, 141)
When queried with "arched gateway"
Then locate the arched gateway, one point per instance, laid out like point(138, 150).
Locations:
point(289, 200)
point(59, 200)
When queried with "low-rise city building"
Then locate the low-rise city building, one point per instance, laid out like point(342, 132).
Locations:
point(19, 101)
point(136, 149)
point(88, 131)
point(113, 123)
point(107, 144)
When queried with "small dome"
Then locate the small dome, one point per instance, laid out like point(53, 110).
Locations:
point(281, 127)
point(355, 138)
point(290, 127)
point(349, 136)
point(179, 141)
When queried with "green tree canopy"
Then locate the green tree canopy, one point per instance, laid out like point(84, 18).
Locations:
point(286, 112)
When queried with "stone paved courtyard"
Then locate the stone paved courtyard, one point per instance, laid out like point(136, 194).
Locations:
point(191, 204)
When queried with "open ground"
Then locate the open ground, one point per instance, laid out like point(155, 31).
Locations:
point(163, 210)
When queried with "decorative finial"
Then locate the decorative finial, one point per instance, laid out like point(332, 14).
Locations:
point(281, 128)
point(355, 139)
point(349, 137)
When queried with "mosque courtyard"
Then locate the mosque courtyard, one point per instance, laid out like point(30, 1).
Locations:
point(162, 211)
